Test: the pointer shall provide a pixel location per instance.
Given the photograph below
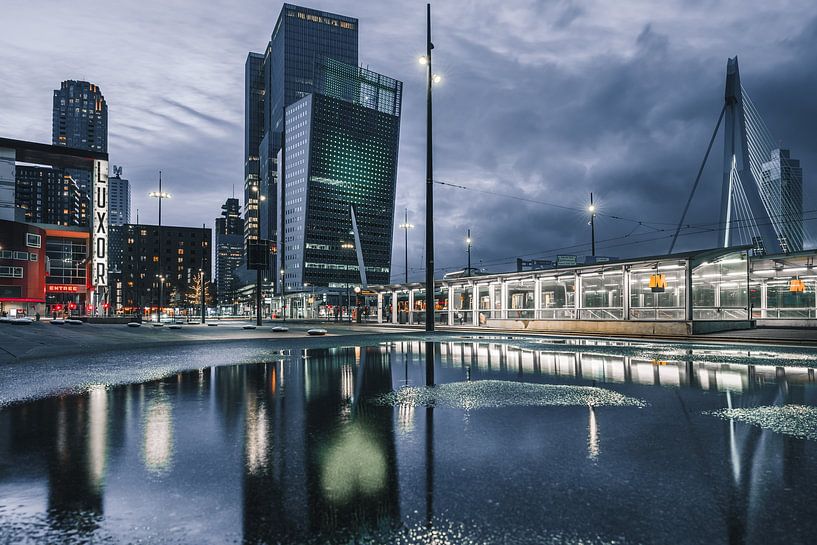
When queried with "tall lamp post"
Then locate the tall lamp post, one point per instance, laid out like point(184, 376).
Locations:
point(159, 195)
point(406, 226)
point(348, 246)
point(431, 79)
point(161, 291)
point(592, 210)
point(468, 249)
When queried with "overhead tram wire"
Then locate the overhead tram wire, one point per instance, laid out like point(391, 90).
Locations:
point(648, 224)
point(700, 229)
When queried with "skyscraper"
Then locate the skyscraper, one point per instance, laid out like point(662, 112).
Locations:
point(80, 116)
point(118, 198)
point(340, 176)
point(229, 250)
point(80, 120)
point(283, 74)
point(782, 188)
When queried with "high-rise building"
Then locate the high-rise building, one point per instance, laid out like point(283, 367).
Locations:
point(80, 117)
point(229, 250)
point(185, 252)
point(782, 188)
point(49, 195)
point(80, 121)
point(253, 132)
point(283, 74)
point(118, 198)
point(340, 162)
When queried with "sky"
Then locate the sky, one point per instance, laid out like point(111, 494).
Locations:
point(540, 103)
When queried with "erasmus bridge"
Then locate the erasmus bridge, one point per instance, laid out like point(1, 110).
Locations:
point(762, 188)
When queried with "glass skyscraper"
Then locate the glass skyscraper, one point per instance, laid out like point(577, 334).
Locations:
point(229, 250)
point(341, 160)
point(80, 120)
point(782, 188)
point(283, 74)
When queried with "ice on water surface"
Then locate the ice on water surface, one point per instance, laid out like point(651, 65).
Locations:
point(502, 393)
point(795, 420)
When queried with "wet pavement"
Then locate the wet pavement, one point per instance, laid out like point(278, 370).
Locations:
point(524, 441)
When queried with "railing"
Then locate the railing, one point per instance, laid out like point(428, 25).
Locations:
point(521, 313)
point(608, 313)
point(557, 314)
point(720, 313)
point(656, 314)
point(784, 313)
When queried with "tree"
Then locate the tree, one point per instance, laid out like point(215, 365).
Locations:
point(193, 296)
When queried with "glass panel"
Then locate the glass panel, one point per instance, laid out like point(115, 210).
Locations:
point(461, 304)
point(648, 303)
point(520, 303)
point(602, 296)
point(558, 298)
point(720, 290)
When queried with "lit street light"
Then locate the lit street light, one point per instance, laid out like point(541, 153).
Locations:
point(429, 206)
point(160, 195)
point(468, 243)
point(406, 226)
point(592, 210)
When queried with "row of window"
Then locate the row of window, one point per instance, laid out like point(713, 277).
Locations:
point(19, 256)
point(11, 272)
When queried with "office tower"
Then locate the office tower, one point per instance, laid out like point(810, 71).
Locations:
point(185, 252)
point(49, 195)
point(253, 129)
point(80, 121)
point(118, 198)
point(80, 117)
point(283, 74)
point(340, 173)
point(782, 189)
point(229, 250)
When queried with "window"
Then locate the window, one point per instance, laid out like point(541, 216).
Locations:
point(11, 272)
point(32, 257)
point(33, 241)
point(21, 256)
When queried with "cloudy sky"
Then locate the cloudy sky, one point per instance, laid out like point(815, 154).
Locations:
point(544, 101)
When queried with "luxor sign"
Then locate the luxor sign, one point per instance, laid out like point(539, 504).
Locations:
point(100, 224)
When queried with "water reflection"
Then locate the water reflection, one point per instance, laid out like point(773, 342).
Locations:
point(291, 451)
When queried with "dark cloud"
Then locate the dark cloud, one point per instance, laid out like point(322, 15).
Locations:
point(547, 101)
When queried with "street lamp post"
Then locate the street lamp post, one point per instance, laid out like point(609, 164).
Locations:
point(406, 226)
point(348, 246)
point(159, 195)
point(592, 210)
point(161, 291)
point(431, 78)
point(468, 243)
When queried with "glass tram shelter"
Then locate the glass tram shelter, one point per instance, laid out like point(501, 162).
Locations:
point(679, 294)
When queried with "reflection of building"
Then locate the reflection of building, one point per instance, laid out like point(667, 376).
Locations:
point(185, 252)
point(229, 250)
point(280, 76)
point(348, 473)
point(341, 172)
point(782, 187)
